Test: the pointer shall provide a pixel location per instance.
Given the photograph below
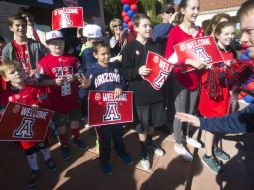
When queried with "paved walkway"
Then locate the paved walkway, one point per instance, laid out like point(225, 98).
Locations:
point(169, 172)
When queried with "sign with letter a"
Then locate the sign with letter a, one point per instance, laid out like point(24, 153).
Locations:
point(67, 17)
point(161, 69)
point(20, 123)
point(203, 49)
point(104, 109)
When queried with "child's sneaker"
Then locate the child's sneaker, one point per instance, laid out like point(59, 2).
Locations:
point(145, 163)
point(51, 165)
point(183, 153)
point(212, 164)
point(126, 158)
point(157, 151)
point(106, 168)
point(33, 178)
point(65, 152)
point(220, 154)
point(80, 144)
point(193, 142)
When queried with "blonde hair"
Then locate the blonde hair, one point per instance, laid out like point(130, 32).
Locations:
point(7, 66)
point(112, 22)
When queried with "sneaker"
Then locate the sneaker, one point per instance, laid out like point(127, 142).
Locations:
point(106, 168)
point(220, 154)
point(183, 153)
point(212, 164)
point(80, 144)
point(145, 163)
point(193, 142)
point(65, 153)
point(157, 151)
point(126, 158)
point(33, 178)
point(51, 165)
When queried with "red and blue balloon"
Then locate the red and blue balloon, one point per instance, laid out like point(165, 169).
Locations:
point(129, 9)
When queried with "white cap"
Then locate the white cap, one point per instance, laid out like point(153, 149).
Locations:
point(53, 35)
point(92, 31)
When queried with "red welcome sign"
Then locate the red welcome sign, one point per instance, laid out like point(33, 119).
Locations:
point(67, 17)
point(104, 109)
point(161, 69)
point(203, 48)
point(19, 123)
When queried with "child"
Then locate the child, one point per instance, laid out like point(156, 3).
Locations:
point(25, 50)
point(103, 66)
point(210, 106)
point(18, 92)
point(150, 112)
point(91, 32)
point(186, 85)
point(57, 71)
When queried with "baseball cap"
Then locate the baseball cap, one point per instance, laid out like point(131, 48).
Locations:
point(52, 35)
point(168, 9)
point(92, 31)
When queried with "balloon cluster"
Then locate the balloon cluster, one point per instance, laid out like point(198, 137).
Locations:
point(249, 85)
point(129, 9)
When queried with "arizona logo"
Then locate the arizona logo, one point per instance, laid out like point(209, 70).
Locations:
point(65, 20)
point(201, 55)
point(111, 112)
point(160, 80)
point(25, 129)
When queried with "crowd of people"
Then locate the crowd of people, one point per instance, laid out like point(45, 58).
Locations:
point(44, 68)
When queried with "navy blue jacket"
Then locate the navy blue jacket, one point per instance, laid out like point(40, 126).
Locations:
point(105, 78)
point(240, 122)
point(87, 59)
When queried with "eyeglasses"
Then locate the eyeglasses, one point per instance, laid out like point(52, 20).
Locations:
point(120, 25)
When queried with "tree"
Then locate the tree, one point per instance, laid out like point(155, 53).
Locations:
point(112, 9)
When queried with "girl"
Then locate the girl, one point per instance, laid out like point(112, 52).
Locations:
point(186, 85)
point(214, 22)
point(217, 104)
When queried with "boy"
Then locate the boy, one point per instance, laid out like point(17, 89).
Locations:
point(91, 32)
point(18, 92)
point(57, 71)
point(101, 52)
point(148, 102)
point(27, 51)
point(34, 31)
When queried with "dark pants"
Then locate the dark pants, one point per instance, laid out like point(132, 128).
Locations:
point(105, 133)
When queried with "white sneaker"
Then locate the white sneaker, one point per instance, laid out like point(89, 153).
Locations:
point(183, 153)
point(145, 164)
point(193, 142)
point(157, 151)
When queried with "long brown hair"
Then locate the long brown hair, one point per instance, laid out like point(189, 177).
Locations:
point(179, 17)
point(215, 21)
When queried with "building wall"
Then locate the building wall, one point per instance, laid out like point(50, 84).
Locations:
point(206, 15)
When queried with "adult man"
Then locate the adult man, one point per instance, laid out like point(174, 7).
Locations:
point(242, 121)
point(34, 31)
point(161, 31)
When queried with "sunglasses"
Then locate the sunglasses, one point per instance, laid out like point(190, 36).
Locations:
point(170, 11)
point(120, 25)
